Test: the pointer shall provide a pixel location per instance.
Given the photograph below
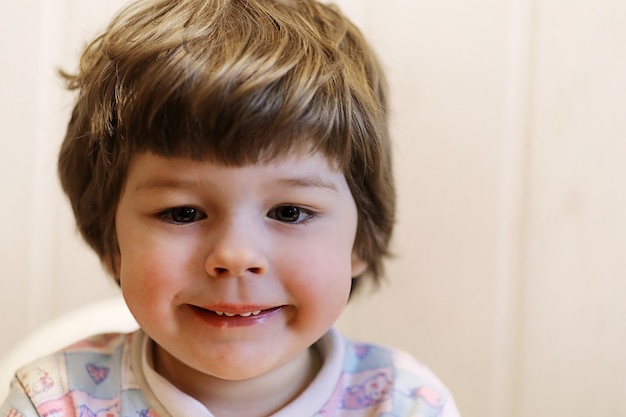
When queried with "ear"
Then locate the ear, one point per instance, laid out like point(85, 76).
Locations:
point(358, 264)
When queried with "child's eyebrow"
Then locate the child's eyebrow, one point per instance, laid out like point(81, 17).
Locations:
point(296, 182)
point(309, 182)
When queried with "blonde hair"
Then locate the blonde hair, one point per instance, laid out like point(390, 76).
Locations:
point(234, 81)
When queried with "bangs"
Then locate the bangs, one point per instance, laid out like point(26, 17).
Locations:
point(217, 126)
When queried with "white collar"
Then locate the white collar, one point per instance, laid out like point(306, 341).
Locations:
point(331, 348)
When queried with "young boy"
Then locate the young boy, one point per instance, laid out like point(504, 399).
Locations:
point(228, 160)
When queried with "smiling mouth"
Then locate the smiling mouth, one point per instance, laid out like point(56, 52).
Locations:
point(236, 317)
point(242, 314)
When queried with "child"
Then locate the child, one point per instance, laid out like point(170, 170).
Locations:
point(229, 162)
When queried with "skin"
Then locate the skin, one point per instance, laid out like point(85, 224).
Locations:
point(271, 243)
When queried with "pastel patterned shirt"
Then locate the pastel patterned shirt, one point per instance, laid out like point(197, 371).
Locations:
point(111, 375)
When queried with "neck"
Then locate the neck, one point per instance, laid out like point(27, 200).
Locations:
point(256, 397)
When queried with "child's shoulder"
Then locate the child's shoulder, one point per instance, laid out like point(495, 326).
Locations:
point(366, 357)
point(93, 372)
point(93, 358)
point(381, 376)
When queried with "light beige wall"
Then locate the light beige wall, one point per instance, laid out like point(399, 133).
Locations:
point(46, 269)
point(510, 274)
point(574, 331)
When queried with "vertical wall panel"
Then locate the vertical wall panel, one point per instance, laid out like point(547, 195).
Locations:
point(511, 244)
point(42, 230)
point(18, 98)
point(574, 338)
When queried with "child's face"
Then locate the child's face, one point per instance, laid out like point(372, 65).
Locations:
point(271, 243)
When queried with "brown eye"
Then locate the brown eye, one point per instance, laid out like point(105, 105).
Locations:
point(292, 214)
point(182, 215)
point(286, 214)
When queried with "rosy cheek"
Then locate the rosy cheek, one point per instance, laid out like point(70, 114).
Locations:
point(140, 277)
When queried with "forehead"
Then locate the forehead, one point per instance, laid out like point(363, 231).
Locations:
point(149, 171)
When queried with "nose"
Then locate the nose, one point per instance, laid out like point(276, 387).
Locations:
point(237, 250)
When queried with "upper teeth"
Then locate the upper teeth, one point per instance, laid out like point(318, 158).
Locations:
point(248, 314)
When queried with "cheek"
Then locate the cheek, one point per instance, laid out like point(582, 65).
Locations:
point(150, 285)
point(321, 276)
point(148, 271)
point(140, 281)
point(146, 255)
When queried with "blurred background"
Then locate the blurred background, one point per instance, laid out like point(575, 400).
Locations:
point(509, 121)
